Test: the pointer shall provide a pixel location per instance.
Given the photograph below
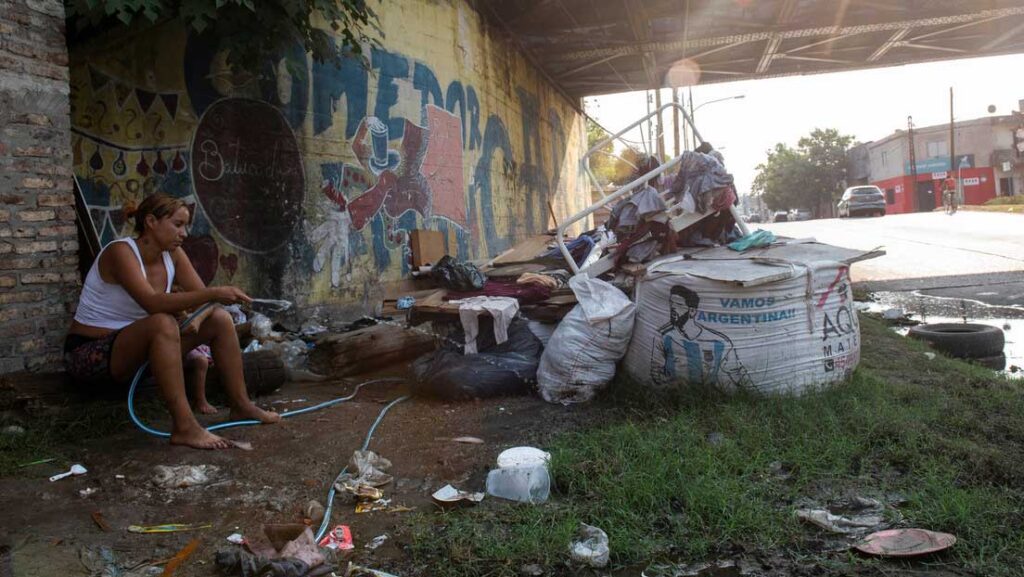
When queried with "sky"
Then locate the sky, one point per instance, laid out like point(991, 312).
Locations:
point(867, 104)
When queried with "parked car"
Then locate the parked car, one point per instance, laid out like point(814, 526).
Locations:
point(800, 215)
point(780, 216)
point(867, 200)
point(754, 218)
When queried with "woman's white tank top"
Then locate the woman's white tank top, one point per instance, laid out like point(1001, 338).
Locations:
point(109, 306)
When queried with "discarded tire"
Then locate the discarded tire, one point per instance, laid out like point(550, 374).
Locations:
point(965, 341)
point(996, 362)
point(264, 372)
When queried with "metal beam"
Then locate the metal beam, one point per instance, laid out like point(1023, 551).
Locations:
point(704, 43)
point(1004, 37)
point(930, 47)
point(769, 54)
point(819, 43)
point(947, 30)
point(812, 59)
point(583, 67)
point(891, 43)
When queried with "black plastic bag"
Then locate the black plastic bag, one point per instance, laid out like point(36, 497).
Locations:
point(496, 371)
point(458, 276)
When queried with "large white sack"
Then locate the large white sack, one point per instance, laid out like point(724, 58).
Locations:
point(581, 355)
point(791, 328)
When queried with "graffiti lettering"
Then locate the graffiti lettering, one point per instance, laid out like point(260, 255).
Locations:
point(211, 165)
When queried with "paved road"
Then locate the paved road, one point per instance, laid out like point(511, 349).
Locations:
point(925, 245)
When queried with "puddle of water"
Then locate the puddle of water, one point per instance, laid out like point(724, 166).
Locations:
point(931, 309)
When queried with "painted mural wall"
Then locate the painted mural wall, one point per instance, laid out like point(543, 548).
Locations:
point(306, 178)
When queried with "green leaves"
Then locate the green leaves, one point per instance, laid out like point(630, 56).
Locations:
point(252, 31)
point(809, 176)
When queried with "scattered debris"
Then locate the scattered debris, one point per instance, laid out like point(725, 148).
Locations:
point(531, 570)
point(236, 538)
point(528, 484)
point(468, 440)
point(238, 562)
point(370, 506)
point(97, 517)
point(358, 490)
point(287, 541)
point(930, 356)
point(13, 430)
point(405, 303)
point(168, 528)
point(450, 496)
point(370, 470)
point(88, 492)
point(313, 511)
point(376, 542)
point(893, 314)
point(182, 476)
point(590, 546)
point(180, 558)
point(75, 470)
point(359, 571)
point(715, 438)
point(523, 457)
point(904, 542)
point(855, 516)
point(340, 538)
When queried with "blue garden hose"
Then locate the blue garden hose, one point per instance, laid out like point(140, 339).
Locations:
point(247, 422)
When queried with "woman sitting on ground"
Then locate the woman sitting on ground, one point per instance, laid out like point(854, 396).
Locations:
point(127, 316)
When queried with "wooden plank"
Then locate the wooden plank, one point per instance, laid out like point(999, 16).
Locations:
point(366, 350)
point(525, 251)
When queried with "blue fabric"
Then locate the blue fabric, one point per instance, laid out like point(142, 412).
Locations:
point(758, 239)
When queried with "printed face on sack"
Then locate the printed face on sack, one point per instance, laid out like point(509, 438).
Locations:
point(682, 306)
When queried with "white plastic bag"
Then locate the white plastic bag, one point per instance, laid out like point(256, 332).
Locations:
point(590, 546)
point(580, 358)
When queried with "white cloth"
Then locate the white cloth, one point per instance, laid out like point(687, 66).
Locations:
point(503, 309)
point(108, 305)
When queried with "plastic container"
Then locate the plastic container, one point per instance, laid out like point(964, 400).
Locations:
point(523, 457)
point(523, 484)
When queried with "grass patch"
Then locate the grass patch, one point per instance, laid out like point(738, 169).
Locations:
point(946, 435)
point(1004, 200)
point(47, 436)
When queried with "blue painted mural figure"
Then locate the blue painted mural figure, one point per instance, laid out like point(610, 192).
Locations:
point(686, 349)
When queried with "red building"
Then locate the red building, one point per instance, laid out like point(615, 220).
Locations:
point(986, 163)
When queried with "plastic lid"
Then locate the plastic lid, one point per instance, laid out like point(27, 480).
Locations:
point(522, 457)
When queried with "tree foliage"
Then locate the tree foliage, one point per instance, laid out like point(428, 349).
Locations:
point(810, 176)
point(609, 166)
point(252, 30)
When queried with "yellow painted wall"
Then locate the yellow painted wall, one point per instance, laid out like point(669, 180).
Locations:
point(306, 177)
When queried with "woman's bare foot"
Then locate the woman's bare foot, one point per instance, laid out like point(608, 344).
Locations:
point(199, 438)
point(251, 411)
point(205, 408)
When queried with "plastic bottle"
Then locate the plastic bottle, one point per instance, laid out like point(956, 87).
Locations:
point(529, 484)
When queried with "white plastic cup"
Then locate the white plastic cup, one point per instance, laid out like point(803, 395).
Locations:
point(529, 484)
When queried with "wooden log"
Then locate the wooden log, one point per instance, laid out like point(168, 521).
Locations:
point(369, 349)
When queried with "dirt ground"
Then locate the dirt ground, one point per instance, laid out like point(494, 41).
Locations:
point(45, 526)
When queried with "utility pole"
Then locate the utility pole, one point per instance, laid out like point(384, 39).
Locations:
point(914, 204)
point(661, 126)
point(952, 141)
point(675, 120)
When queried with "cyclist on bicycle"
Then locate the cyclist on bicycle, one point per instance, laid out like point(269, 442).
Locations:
point(949, 200)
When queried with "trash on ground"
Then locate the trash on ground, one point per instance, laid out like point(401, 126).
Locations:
point(183, 476)
point(930, 356)
point(287, 541)
point(370, 506)
point(13, 430)
point(904, 542)
point(496, 370)
point(531, 570)
point(522, 457)
point(180, 557)
point(313, 511)
point(961, 340)
point(100, 561)
point(311, 328)
point(855, 516)
point(75, 470)
point(529, 484)
point(590, 546)
point(376, 542)
point(581, 355)
point(168, 528)
point(243, 445)
point(236, 538)
point(359, 571)
point(97, 517)
point(468, 440)
point(88, 492)
point(449, 496)
point(359, 490)
point(892, 314)
point(369, 470)
point(244, 564)
point(339, 538)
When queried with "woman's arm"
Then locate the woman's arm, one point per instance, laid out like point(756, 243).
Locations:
point(120, 263)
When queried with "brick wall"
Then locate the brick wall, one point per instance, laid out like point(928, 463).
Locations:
point(38, 238)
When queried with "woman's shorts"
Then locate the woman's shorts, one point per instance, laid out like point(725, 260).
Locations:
point(87, 360)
